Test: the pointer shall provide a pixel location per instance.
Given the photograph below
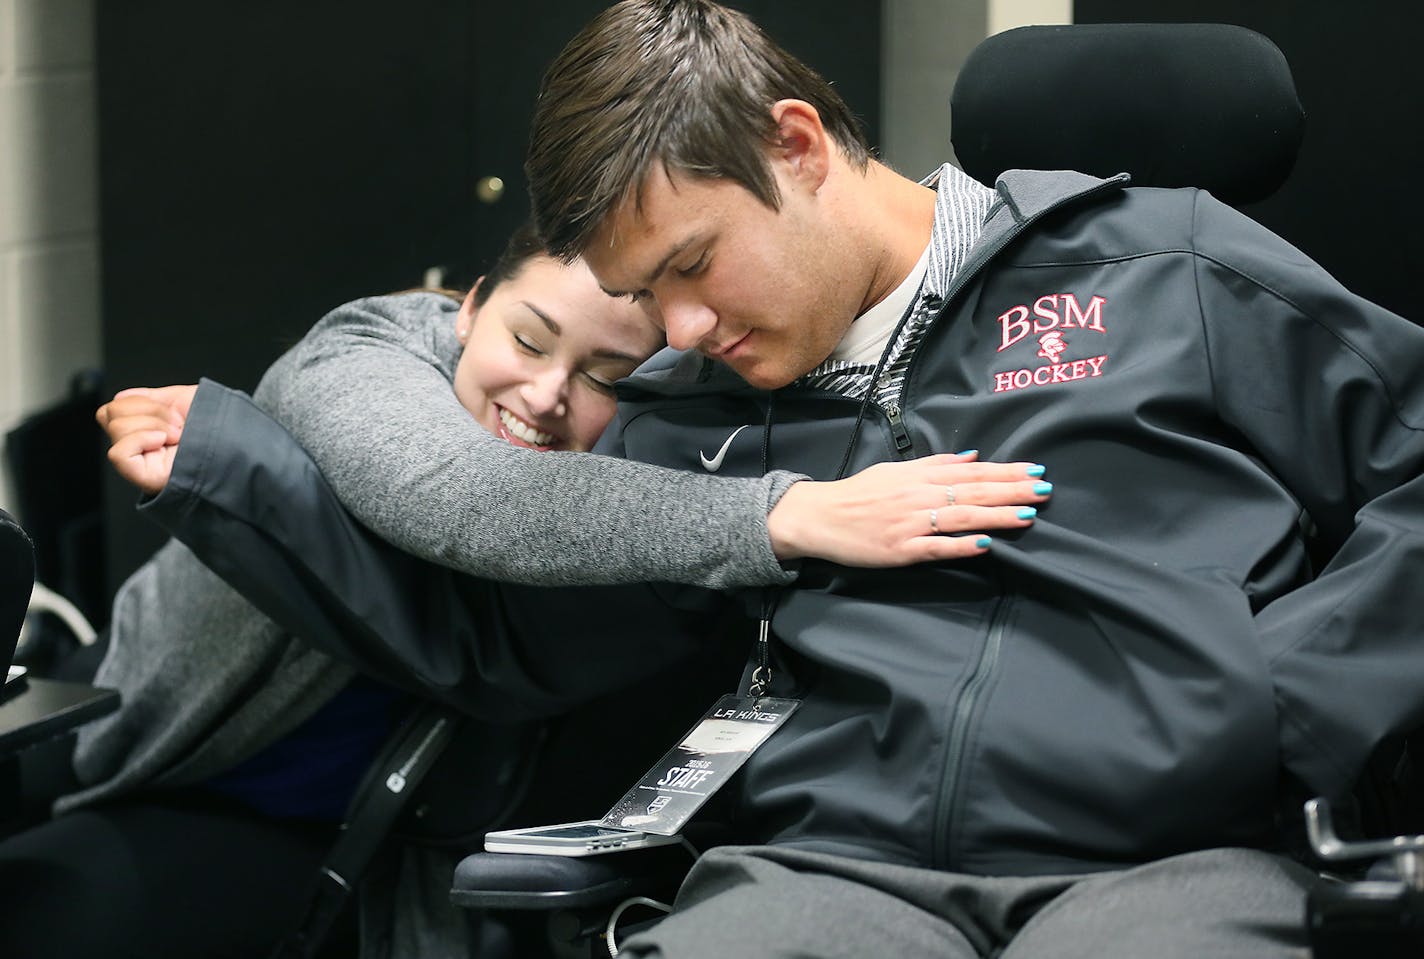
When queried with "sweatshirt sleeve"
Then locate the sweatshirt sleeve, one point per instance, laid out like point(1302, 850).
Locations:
point(1328, 390)
point(368, 393)
point(253, 507)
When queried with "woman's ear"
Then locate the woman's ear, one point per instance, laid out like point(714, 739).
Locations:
point(465, 318)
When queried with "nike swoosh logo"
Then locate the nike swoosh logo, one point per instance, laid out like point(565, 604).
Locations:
point(715, 463)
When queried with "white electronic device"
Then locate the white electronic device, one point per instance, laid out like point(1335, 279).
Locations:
point(589, 838)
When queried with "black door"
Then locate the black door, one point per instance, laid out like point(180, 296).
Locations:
point(264, 161)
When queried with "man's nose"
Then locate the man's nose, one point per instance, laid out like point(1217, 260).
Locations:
point(547, 393)
point(687, 322)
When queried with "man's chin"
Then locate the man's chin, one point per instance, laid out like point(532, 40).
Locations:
point(765, 376)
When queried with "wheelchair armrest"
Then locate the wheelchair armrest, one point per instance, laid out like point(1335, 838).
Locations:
point(47, 708)
point(34, 760)
point(497, 880)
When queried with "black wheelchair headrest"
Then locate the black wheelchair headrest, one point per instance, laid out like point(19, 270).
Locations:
point(1205, 105)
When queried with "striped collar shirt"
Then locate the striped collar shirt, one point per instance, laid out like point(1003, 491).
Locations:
point(961, 207)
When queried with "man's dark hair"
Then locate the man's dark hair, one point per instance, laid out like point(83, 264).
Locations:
point(685, 83)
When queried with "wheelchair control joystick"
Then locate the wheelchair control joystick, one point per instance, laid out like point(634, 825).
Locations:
point(1378, 917)
point(1405, 852)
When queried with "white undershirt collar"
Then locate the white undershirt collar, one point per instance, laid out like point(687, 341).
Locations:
point(868, 334)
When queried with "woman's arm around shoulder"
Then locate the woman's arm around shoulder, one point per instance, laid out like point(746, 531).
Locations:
point(368, 393)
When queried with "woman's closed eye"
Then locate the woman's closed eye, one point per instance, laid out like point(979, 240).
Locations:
point(528, 345)
point(599, 382)
point(605, 373)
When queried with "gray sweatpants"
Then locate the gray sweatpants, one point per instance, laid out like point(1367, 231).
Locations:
point(756, 902)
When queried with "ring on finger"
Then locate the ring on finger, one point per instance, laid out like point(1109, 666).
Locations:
point(934, 521)
point(949, 494)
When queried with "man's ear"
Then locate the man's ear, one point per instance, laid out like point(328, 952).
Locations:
point(802, 142)
point(465, 318)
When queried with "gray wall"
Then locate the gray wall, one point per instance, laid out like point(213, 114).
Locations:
point(49, 273)
point(923, 44)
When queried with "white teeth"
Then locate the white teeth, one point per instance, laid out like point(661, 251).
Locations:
point(523, 431)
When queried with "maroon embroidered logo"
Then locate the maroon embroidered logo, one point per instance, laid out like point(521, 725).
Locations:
point(1052, 314)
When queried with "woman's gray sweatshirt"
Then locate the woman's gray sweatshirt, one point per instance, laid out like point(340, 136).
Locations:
point(368, 393)
point(207, 681)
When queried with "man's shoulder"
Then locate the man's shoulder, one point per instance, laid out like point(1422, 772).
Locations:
point(664, 362)
point(681, 371)
point(1073, 216)
point(1028, 194)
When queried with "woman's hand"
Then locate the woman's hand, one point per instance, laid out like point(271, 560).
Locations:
point(144, 426)
point(895, 514)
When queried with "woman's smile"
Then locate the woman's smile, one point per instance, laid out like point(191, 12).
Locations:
point(521, 433)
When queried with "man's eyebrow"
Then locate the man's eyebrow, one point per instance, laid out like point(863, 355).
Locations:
point(554, 327)
point(659, 269)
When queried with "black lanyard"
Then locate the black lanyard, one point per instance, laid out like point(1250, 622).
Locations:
point(770, 595)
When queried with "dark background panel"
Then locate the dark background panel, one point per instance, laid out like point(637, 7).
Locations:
point(1353, 202)
point(843, 43)
point(259, 163)
point(264, 161)
point(257, 159)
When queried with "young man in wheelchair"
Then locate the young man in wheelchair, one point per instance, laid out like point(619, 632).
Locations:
point(1075, 744)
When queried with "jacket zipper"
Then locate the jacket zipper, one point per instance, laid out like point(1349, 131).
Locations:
point(904, 442)
point(967, 701)
point(947, 802)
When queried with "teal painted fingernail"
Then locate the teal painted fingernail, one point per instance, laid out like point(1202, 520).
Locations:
point(983, 542)
point(1028, 512)
point(966, 453)
point(1042, 489)
point(1036, 470)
